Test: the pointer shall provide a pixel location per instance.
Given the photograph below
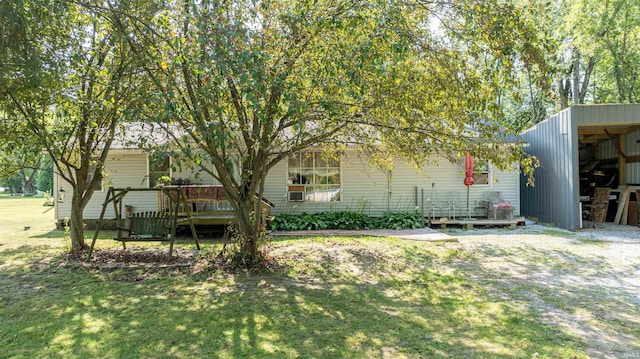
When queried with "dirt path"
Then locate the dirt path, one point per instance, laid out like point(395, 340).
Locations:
point(586, 282)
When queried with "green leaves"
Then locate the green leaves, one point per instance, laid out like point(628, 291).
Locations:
point(346, 220)
point(252, 82)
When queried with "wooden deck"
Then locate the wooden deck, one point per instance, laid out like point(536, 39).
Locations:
point(204, 205)
point(203, 219)
point(477, 222)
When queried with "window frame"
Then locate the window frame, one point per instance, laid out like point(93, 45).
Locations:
point(151, 182)
point(478, 174)
point(314, 170)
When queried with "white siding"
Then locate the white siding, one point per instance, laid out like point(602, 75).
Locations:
point(195, 175)
point(443, 183)
point(362, 189)
point(365, 188)
point(123, 169)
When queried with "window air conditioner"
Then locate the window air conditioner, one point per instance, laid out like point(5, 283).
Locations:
point(295, 196)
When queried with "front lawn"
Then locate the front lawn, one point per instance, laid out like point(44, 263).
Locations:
point(321, 298)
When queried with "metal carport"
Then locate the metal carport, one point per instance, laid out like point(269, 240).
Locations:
point(614, 130)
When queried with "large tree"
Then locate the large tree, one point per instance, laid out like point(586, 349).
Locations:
point(252, 82)
point(67, 84)
point(20, 73)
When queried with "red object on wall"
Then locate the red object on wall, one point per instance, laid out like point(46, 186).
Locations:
point(468, 170)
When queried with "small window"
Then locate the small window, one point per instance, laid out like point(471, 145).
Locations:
point(482, 173)
point(159, 168)
point(314, 177)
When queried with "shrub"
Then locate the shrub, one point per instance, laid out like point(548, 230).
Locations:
point(401, 221)
point(345, 220)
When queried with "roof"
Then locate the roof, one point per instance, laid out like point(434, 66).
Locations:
point(133, 135)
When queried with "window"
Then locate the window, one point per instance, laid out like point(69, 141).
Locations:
point(159, 168)
point(315, 175)
point(482, 173)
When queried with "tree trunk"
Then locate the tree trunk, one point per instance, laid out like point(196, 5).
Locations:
point(249, 228)
point(76, 222)
point(586, 79)
point(24, 181)
point(563, 92)
point(576, 76)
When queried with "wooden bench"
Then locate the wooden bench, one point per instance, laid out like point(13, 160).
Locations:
point(146, 226)
point(149, 226)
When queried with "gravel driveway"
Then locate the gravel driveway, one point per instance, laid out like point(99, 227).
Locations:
point(587, 282)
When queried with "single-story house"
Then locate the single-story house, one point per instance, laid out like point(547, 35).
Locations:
point(309, 182)
point(580, 148)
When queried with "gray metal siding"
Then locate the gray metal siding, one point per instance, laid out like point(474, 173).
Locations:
point(606, 150)
point(613, 114)
point(555, 197)
point(633, 149)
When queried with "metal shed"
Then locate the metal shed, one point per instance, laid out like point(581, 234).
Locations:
point(571, 141)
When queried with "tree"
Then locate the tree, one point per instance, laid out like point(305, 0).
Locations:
point(530, 100)
point(68, 83)
point(620, 31)
point(19, 66)
point(19, 161)
point(252, 82)
point(595, 40)
point(45, 175)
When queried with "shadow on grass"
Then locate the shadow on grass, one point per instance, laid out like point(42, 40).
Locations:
point(322, 312)
point(51, 234)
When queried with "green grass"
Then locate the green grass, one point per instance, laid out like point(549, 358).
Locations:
point(326, 298)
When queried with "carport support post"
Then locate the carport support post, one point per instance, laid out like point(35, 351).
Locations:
point(622, 159)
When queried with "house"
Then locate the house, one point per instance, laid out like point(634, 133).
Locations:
point(580, 148)
point(309, 182)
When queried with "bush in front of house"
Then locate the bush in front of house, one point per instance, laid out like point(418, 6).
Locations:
point(345, 220)
point(402, 220)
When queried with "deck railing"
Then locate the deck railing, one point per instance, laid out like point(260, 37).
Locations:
point(206, 201)
point(200, 199)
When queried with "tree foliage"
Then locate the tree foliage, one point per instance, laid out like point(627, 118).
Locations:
point(592, 48)
point(67, 84)
point(45, 175)
point(252, 82)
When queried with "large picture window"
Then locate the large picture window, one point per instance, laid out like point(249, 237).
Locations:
point(159, 168)
point(317, 175)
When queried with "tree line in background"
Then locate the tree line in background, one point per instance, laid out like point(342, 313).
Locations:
point(21, 178)
point(243, 84)
point(592, 51)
